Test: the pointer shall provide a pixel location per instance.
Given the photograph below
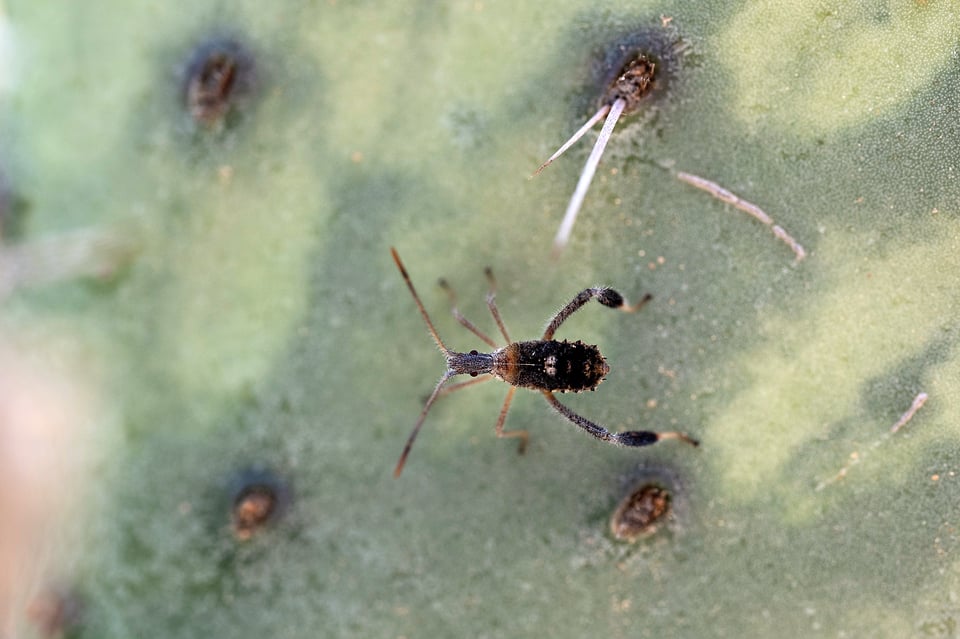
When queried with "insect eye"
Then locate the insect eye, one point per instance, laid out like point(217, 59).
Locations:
point(474, 353)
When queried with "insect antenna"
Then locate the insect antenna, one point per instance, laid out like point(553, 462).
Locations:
point(423, 416)
point(589, 169)
point(446, 351)
point(416, 298)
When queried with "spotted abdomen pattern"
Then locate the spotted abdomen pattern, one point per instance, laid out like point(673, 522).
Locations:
point(551, 365)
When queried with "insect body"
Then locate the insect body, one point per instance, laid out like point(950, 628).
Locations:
point(551, 365)
point(546, 365)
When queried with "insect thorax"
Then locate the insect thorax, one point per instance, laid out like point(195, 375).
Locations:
point(551, 365)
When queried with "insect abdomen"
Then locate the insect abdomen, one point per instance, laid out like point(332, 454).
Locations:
point(551, 365)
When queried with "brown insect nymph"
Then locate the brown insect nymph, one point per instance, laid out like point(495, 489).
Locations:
point(546, 365)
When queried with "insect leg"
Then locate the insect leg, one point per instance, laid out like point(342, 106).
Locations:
point(606, 296)
point(470, 326)
point(492, 304)
point(627, 438)
point(522, 434)
point(449, 388)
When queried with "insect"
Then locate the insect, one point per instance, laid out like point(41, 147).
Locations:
point(544, 365)
point(623, 96)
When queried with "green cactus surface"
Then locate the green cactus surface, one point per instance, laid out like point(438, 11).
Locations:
point(206, 303)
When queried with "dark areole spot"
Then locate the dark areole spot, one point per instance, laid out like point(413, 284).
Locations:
point(219, 76)
point(258, 498)
point(640, 66)
point(633, 84)
point(640, 513)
